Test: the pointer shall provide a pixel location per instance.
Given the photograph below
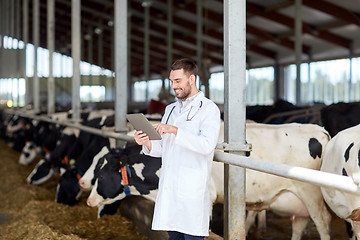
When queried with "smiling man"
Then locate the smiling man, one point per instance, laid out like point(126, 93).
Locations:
point(190, 129)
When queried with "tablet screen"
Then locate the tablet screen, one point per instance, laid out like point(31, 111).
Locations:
point(140, 122)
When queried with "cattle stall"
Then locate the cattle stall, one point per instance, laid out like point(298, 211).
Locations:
point(233, 151)
point(302, 174)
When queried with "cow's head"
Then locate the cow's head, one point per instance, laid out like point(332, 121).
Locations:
point(68, 190)
point(87, 181)
point(29, 153)
point(108, 185)
point(42, 172)
point(142, 172)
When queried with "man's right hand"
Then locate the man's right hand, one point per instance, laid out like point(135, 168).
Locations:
point(142, 138)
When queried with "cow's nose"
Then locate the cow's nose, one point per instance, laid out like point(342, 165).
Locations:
point(82, 183)
point(89, 202)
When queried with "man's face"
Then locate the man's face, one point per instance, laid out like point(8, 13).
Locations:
point(181, 83)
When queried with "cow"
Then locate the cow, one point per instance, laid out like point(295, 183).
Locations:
point(342, 157)
point(294, 144)
point(68, 189)
point(66, 143)
point(339, 116)
point(48, 166)
point(142, 173)
point(43, 138)
point(259, 113)
point(80, 157)
point(17, 132)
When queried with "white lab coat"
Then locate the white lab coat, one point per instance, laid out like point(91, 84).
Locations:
point(183, 200)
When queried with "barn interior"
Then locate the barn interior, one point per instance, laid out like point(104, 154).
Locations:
point(123, 50)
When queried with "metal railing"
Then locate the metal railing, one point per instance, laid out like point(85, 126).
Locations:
point(316, 177)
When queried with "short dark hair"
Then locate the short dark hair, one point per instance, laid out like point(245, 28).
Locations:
point(187, 64)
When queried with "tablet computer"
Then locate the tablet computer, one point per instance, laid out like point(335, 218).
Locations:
point(140, 122)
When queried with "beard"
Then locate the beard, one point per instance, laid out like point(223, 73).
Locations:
point(184, 92)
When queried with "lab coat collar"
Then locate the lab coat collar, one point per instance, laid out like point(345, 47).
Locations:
point(191, 101)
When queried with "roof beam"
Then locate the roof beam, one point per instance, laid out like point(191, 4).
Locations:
point(288, 21)
point(275, 39)
point(334, 10)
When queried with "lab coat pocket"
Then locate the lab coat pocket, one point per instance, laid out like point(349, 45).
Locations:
point(191, 126)
point(192, 184)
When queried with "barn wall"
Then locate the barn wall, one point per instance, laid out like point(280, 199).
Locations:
point(63, 87)
point(7, 59)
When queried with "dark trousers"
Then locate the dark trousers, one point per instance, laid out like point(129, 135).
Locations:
point(182, 236)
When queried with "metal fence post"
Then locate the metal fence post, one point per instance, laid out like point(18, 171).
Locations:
point(235, 102)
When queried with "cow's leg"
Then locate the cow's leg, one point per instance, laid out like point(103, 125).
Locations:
point(356, 229)
point(314, 202)
point(298, 227)
point(262, 221)
point(250, 220)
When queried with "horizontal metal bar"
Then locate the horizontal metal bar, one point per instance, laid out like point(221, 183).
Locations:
point(319, 178)
point(316, 177)
point(96, 131)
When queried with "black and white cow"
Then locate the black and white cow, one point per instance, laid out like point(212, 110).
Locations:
point(339, 116)
point(44, 140)
point(293, 144)
point(68, 143)
point(111, 171)
point(48, 166)
point(18, 131)
point(342, 157)
point(68, 189)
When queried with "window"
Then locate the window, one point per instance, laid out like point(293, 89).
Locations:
point(92, 93)
point(326, 81)
point(260, 86)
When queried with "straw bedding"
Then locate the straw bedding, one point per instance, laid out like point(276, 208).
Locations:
point(32, 213)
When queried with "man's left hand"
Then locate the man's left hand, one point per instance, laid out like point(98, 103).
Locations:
point(164, 128)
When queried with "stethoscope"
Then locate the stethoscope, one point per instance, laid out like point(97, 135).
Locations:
point(188, 117)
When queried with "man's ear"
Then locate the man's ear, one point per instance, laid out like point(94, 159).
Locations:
point(193, 78)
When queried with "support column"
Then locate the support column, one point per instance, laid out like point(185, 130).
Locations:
point(130, 87)
point(51, 48)
point(350, 90)
point(277, 92)
point(169, 43)
point(18, 37)
point(298, 47)
point(100, 58)
point(12, 19)
point(235, 102)
point(310, 87)
point(199, 45)
point(112, 68)
point(1, 43)
point(90, 54)
point(76, 53)
point(26, 39)
point(121, 65)
point(36, 36)
point(169, 36)
point(146, 5)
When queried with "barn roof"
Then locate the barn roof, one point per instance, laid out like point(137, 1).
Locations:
point(330, 31)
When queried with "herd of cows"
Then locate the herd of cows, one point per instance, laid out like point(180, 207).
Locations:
point(88, 162)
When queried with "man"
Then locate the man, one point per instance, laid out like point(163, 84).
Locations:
point(190, 129)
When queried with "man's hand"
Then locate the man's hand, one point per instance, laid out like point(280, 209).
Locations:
point(164, 128)
point(142, 139)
